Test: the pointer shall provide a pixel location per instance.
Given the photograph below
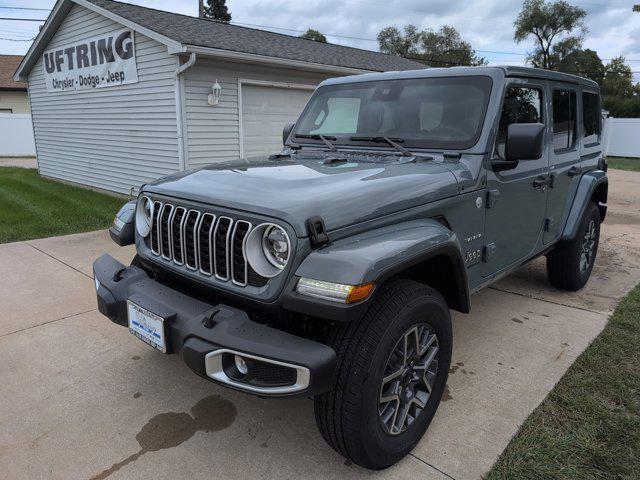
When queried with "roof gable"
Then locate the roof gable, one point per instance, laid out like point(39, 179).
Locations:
point(182, 33)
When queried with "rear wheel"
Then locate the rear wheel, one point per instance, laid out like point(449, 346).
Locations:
point(570, 263)
point(393, 366)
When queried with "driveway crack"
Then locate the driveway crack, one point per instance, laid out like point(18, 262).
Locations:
point(58, 260)
point(549, 301)
point(47, 322)
point(435, 468)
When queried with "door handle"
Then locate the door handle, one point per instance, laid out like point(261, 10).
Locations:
point(573, 171)
point(541, 181)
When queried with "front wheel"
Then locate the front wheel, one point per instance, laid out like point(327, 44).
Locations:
point(393, 366)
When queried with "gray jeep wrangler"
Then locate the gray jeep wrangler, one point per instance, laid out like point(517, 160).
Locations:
point(328, 270)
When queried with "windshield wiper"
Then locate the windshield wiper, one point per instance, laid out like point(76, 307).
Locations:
point(390, 141)
point(317, 136)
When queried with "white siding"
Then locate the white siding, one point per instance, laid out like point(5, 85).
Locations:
point(111, 138)
point(17, 102)
point(213, 131)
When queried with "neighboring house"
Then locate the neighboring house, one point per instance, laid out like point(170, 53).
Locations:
point(122, 94)
point(13, 95)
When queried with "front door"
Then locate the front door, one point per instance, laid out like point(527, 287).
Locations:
point(515, 206)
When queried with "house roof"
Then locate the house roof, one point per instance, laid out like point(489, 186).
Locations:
point(8, 65)
point(205, 35)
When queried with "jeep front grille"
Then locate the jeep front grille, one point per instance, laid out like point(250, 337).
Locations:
point(210, 244)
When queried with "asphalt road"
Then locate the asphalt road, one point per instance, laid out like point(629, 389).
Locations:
point(81, 398)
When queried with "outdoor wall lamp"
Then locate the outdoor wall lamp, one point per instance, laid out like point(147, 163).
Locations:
point(214, 97)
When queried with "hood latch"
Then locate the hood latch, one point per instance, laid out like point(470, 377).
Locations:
point(318, 236)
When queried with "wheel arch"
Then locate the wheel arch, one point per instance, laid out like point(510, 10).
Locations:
point(593, 186)
point(424, 250)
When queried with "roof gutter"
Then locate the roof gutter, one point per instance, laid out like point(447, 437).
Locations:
point(253, 58)
point(180, 110)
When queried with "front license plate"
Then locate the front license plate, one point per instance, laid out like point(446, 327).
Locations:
point(147, 326)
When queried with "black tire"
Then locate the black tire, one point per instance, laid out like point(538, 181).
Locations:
point(567, 268)
point(348, 415)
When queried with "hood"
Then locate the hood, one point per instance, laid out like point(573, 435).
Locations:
point(296, 188)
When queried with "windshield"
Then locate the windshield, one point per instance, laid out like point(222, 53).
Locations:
point(443, 113)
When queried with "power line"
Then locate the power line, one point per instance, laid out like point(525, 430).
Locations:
point(17, 39)
point(24, 19)
point(25, 8)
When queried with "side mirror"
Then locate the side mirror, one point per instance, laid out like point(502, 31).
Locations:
point(524, 141)
point(286, 131)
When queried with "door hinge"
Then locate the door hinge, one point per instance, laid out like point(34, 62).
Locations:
point(548, 223)
point(492, 197)
point(488, 252)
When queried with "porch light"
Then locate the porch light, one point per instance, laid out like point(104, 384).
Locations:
point(214, 97)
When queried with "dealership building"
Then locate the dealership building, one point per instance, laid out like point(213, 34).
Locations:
point(121, 94)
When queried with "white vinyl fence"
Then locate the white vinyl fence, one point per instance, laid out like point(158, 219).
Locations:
point(16, 135)
point(622, 137)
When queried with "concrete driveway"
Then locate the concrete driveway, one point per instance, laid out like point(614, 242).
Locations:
point(83, 399)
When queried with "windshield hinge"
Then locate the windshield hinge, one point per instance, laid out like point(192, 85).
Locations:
point(318, 236)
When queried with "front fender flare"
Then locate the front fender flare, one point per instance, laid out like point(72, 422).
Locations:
point(379, 254)
point(587, 186)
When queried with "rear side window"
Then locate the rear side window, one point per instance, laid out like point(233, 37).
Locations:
point(591, 118)
point(564, 119)
point(521, 105)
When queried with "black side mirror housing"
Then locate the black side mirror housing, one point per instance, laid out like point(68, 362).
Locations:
point(122, 230)
point(524, 141)
point(286, 131)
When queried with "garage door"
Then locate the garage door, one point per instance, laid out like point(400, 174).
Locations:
point(265, 111)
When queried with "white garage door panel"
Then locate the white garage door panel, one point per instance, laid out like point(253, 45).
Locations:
point(265, 111)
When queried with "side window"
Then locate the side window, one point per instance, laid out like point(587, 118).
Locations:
point(564, 119)
point(592, 121)
point(521, 105)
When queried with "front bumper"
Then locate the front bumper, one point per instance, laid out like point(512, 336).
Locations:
point(204, 333)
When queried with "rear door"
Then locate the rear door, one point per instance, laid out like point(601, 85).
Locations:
point(515, 207)
point(265, 109)
point(564, 156)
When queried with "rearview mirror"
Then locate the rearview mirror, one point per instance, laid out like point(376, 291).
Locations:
point(524, 141)
point(286, 131)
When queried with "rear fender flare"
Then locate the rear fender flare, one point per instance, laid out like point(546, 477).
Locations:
point(586, 188)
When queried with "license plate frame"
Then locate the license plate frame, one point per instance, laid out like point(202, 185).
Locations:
point(147, 326)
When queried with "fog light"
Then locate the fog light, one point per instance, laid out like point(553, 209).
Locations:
point(241, 365)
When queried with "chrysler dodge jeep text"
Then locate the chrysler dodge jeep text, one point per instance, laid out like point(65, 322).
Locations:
point(328, 270)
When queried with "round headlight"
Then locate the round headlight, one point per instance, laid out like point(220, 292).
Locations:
point(275, 244)
point(268, 249)
point(144, 212)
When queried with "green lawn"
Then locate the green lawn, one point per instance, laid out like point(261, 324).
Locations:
point(589, 425)
point(33, 207)
point(624, 163)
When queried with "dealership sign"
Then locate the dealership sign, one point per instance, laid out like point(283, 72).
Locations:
point(105, 61)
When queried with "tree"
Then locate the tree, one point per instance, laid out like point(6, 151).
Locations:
point(551, 25)
point(442, 48)
point(217, 10)
point(585, 63)
point(312, 34)
point(618, 79)
point(636, 8)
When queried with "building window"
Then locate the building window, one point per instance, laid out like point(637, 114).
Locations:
point(564, 119)
point(521, 105)
point(592, 121)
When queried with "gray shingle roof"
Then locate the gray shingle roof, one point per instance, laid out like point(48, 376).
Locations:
point(208, 33)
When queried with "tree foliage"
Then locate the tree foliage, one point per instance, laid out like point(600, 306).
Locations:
point(217, 10)
point(312, 34)
point(552, 25)
point(584, 63)
point(441, 48)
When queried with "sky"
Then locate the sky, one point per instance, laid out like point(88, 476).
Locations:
point(487, 24)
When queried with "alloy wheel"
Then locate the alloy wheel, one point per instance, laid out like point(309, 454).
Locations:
point(409, 377)
point(588, 247)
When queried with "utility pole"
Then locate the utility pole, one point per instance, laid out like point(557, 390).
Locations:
point(201, 8)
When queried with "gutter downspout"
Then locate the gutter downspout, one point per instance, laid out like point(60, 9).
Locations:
point(180, 108)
